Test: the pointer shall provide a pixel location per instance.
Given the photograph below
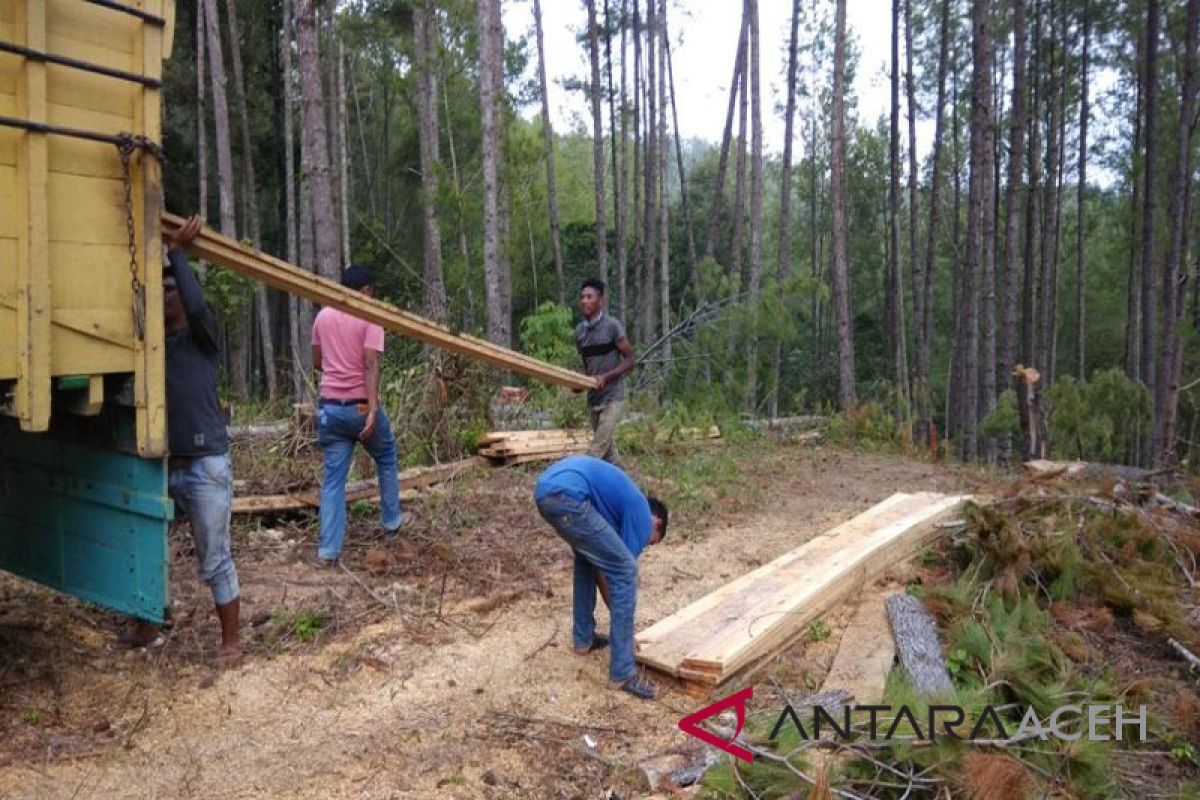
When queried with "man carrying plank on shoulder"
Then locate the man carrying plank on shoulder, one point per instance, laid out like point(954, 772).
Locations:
point(596, 509)
point(607, 356)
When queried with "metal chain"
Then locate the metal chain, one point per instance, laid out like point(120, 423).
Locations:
point(127, 143)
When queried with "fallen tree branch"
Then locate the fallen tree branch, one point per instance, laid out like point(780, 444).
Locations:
point(1188, 655)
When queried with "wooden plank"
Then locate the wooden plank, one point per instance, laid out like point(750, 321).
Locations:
point(32, 400)
point(279, 274)
point(532, 457)
point(866, 653)
point(410, 479)
point(825, 585)
point(664, 644)
point(500, 436)
point(150, 381)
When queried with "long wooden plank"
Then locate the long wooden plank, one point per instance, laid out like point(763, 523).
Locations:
point(664, 644)
point(418, 478)
point(281, 275)
point(494, 437)
point(797, 604)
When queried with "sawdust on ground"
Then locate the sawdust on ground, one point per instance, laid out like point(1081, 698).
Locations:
point(491, 704)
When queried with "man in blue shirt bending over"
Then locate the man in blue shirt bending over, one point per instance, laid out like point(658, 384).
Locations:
point(596, 509)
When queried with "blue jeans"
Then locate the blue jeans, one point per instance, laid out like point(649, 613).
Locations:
point(338, 428)
point(203, 491)
point(597, 547)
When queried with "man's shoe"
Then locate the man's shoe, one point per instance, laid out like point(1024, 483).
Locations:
point(643, 690)
point(325, 563)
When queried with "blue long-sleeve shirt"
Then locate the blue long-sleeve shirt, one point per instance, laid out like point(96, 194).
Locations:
point(610, 491)
point(195, 425)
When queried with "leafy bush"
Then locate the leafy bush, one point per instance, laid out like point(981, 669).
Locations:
point(1096, 420)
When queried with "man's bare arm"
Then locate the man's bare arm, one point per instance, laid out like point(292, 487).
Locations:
point(371, 378)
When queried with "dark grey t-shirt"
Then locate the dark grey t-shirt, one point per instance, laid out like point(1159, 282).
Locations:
point(195, 426)
point(597, 345)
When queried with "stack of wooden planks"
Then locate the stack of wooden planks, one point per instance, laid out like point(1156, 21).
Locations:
point(520, 447)
point(753, 618)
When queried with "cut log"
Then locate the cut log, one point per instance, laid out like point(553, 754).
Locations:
point(917, 645)
point(1088, 471)
point(260, 431)
point(752, 618)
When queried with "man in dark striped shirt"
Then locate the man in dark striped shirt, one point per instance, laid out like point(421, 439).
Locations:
point(607, 356)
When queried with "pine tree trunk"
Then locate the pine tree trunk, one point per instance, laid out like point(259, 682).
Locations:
point(1149, 205)
point(895, 293)
point(735, 84)
point(250, 191)
point(1166, 400)
point(954, 386)
point(783, 263)
point(977, 197)
point(298, 367)
point(427, 46)
point(1133, 325)
point(651, 175)
point(201, 113)
point(490, 44)
point(924, 320)
point(240, 347)
point(597, 98)
point(693, 265)
point(316, 166)
point(664, 189)
point(841, 271)
point(1018, 119)
point(756, 201)
point(914, 256)
point(344, 155)
point(613, 133)
point(1029, 303)
point(737, 253)
point(1081, 205)
point(623, 181)
point(987, 289)
point(633, 310)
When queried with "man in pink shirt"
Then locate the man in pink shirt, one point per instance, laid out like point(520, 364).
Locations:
point(346, 352)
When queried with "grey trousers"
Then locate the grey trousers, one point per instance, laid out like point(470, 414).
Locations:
point(604, 421)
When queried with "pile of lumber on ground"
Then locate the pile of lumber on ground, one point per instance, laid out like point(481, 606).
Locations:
point(520, 447)
point(753, 618)
point(689, 434)
point(410, 479)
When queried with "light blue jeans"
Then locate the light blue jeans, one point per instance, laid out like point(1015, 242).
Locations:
point(338, 428)
point(597, 547)
point(203, 491)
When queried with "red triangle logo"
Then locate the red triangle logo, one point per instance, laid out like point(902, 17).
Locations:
point(690, 724)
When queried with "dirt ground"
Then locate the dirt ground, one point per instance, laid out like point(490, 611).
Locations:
point(448, 674)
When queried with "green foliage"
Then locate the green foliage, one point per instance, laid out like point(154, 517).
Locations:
point(32, 717)
point(1004, 419)
point(547, 334)
point(819, 631)
point(305, 625)
point(1096, 420)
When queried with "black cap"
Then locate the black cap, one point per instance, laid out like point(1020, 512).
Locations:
point(357, 276)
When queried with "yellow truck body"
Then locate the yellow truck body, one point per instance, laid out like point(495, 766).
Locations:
point(69, 297)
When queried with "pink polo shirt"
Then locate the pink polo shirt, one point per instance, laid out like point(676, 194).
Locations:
point(342, 339)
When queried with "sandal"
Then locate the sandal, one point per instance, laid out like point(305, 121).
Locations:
point(639, 688)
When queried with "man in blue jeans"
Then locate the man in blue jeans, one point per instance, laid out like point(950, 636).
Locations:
point(346, 352)
point(596, 509)
point(200, 479)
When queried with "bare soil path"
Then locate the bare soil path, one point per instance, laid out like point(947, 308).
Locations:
point(444, 698)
